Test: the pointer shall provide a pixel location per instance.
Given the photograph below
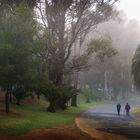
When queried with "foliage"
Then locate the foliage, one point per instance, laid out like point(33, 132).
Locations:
point(136, 67)
point(47, 88)
point(19, 92)
point(87, 93)
point(97, 95)
point(29, 50)
point(115, 73)
point(65, 92)
point(57, 96)
point(15, 3)
point(93, 94)
point(16, 56)
point(101, 47)
point(67, 23)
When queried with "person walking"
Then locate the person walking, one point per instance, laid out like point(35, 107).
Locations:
point(127, 109)
point(118, 108)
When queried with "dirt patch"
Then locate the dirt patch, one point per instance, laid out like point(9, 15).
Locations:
point(69, 132)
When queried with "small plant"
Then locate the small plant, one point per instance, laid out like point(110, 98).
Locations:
point(97, 95)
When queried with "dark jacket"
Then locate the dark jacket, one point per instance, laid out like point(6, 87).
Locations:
point(127, 107)
point(118, 106)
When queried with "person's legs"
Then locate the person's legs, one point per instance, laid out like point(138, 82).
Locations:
point(118, 112)
point(127, 113)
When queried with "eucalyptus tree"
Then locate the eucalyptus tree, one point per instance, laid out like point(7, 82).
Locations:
point(68, 22)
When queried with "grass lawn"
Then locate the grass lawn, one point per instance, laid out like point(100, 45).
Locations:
point(26, 118)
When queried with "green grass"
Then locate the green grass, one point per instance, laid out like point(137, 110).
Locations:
point(34, 117)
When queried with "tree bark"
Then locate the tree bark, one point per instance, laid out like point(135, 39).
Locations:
point(10, 97)
point(74, 101)
point(61, 104)
point(88, 99)
point(38, 96)
point(7, 102)
point(18, 102)
point(51, 107)
point(59, 79)
point(74, 97)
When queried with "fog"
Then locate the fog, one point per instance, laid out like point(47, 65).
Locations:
point(125, 34)
point(114, 73)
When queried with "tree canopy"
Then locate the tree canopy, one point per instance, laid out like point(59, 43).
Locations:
point(136, 67)
point(39, 37)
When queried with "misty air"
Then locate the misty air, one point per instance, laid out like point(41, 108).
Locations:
point(69, 70)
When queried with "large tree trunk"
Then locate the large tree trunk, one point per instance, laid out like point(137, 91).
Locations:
point(10, 97)
point(61, 104)
point(38, 96)
point(18, 102)
point(88, 99)
point(51, 107)
point(56, 76)
point(74, 97)
point(59, 79)
point(7, 102)
point(74, 100)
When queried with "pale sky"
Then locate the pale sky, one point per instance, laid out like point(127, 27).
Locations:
point(131, 8)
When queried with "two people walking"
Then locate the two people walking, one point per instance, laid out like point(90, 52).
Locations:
point(127, 109)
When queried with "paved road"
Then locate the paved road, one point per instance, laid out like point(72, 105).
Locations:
point(104, 121)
